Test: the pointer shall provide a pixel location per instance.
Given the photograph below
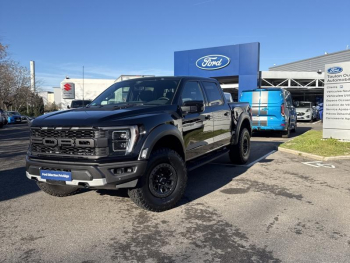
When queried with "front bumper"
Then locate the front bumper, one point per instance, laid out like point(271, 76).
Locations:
point(304, 117)
point(88, 175)
point(269, 128)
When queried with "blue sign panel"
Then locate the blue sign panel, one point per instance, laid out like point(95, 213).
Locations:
point(227, 61)
point(56, 175)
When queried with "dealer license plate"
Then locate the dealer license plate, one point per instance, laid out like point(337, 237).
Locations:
point(56, 175)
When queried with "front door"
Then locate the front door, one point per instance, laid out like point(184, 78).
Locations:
point(221, 113)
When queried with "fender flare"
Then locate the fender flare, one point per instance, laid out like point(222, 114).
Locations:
point(244, 116)
point(158, 133)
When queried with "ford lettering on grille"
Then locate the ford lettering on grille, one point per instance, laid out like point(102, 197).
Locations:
point(76, 142)
point(69, 142)
point(212, 62)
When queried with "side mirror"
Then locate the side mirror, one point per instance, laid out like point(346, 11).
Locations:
point(68, 107)
point(192, 106)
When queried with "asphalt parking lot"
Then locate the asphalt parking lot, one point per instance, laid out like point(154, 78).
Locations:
point(280, 209)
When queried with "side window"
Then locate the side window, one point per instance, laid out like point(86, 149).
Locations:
point(213, 93)
point(191, 91)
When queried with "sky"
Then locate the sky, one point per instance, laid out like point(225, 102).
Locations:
point(110, 37)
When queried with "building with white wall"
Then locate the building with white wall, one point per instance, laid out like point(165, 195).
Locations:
point(303, 78)
point(87, 89)
point(48, 97)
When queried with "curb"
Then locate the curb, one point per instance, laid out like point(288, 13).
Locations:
point(314, 156)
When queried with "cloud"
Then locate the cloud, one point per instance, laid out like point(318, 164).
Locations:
point(54, 74)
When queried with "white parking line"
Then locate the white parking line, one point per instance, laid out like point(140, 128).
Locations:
point(249, 164)
point(319, 164)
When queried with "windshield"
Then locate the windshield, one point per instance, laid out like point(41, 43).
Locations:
point(11, 113)
point(303, 104)
point(80, 103)
point(152, 92)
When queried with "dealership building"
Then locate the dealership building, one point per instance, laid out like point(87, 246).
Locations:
point(239, 70)
point(236, 67)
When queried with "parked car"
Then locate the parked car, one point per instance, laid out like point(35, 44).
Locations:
point(145, 141)
point(272, 110)
point(305, 111)
point(14, 117)
point(320, 111)
point(6, 117)
point(2, 118)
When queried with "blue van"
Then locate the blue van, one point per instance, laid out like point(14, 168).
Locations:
point(272, 110)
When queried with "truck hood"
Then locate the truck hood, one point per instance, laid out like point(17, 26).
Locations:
point(100, 117)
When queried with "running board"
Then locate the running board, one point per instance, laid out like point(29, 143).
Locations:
point(206, 159)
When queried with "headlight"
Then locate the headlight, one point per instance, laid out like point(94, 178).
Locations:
point(124, 139)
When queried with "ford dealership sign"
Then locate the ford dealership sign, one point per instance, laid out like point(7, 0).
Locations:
point(334, 70)
point(212, 62)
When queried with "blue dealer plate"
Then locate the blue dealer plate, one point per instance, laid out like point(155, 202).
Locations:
point(56, 175)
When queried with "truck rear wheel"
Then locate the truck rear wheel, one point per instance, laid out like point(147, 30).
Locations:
point(163, 183)
point(239, 153)
point(58, 190)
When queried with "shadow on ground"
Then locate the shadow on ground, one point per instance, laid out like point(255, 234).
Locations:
point(14, 183)
point(275, 134)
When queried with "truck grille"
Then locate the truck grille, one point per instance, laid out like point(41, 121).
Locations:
point(77, 142)
point(72, 134)
point(63, 150)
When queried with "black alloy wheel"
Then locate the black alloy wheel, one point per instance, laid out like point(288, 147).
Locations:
point(163, 183)
point(162, 180)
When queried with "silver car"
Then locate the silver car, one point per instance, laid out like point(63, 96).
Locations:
point(305, 111)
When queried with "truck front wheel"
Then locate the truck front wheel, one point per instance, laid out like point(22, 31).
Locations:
point(239, 153)
point(58, 190)
point(163, 183)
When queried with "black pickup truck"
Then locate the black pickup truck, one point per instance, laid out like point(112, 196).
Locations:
point(141, 134)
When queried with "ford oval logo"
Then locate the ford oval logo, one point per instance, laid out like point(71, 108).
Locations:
point(334, 70)
point(212, 62)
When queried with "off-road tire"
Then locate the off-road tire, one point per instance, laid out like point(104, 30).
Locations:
point(142, 195)
point(239, 153)
point(58, 190)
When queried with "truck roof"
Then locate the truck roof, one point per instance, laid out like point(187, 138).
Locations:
point(175, 78)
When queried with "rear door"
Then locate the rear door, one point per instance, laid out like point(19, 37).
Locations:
point(221, 113)
point(270, 108)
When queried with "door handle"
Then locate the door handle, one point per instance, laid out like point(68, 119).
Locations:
point(226, 113)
